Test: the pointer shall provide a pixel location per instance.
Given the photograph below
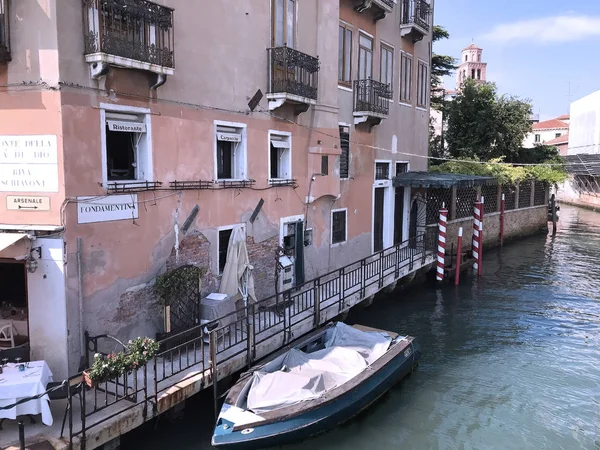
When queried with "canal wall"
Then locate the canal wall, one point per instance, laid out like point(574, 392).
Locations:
point(518, 223)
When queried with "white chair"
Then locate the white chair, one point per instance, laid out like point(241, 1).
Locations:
point(7, 338)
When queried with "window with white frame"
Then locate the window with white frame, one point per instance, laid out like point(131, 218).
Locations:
point(280, 156)
point(538, 138)
point(126, 145)
point(386, 63)
point(230, 151)
point(423, 80)
point(339, 225)
point(405, 77)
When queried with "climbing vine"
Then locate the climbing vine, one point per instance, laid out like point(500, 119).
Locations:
point(176, 283)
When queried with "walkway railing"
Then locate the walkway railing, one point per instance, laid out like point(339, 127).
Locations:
point(241, 337)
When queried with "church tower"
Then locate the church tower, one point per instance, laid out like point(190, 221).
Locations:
point(471, 66)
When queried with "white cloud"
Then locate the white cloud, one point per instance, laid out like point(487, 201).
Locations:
point(546, 29)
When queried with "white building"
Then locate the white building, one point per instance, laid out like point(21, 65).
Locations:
point(543, 132)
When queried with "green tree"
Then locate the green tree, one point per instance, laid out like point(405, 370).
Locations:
point(483, 125)
point(441, 66)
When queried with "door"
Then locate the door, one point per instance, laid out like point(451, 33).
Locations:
point(398, 215)
point(378, 215)
point(299, 254)
point(412, 228)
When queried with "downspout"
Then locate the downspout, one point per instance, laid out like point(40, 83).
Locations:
point(80, 296)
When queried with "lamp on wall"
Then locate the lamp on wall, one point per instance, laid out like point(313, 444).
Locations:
point(32, 263)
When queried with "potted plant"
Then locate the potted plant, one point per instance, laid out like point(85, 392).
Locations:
point(137, 353)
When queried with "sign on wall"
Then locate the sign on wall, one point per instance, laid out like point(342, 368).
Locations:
point(127, 127)
point(107, 209)
point(27, 203)
point(29, 163)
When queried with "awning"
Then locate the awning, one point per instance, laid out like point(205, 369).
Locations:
point(8, 239)
point(440, 180)
point(583, 164)
point(280, 144)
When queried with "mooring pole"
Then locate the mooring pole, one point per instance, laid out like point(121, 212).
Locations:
point(21, 435)
point(481, 220)
point(441, 253)
point(476, 222)
point(553, 211)
point(502, 221)
point(480, 262)
point(458, 255)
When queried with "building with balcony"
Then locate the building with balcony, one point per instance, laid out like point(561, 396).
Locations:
point(137, 145)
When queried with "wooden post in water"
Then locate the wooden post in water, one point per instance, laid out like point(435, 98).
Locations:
point(458, 256)
point(502, 221)
point(553, 212)
point(441, 253)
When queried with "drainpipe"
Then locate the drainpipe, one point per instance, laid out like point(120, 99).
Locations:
point(80, 296)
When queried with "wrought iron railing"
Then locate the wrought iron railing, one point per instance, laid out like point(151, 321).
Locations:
point(293, 72)
point(372, 96)
point(4, 31)
point(417, 12)
point(134, 29)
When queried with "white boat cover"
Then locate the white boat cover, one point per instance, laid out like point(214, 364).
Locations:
point(297, 376)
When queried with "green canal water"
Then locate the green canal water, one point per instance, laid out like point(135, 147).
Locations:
point(511, 360)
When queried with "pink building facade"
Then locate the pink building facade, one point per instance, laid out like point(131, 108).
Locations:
point(131, 150)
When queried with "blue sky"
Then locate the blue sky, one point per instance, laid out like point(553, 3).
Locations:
point(546, 51)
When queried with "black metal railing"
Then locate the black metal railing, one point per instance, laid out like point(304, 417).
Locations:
point(4, 32)
point(417, 12)
point(372, 96)
point(134, 29)
point(292, 72)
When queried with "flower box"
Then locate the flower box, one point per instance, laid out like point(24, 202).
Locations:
point(89, 381)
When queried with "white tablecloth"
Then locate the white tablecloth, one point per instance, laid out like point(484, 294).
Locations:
point(19, 326)
point(15, 385)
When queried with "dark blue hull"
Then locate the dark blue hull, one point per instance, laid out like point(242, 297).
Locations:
point(327, 416)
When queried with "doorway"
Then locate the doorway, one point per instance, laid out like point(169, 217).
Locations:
point(412, 228)
point(292, 238)
point(378, 218)
point(398, 215)
point(14, 316)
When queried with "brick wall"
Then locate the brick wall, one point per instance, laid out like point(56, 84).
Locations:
point(262, 256)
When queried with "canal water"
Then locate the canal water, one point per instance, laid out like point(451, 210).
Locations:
point(511, 360)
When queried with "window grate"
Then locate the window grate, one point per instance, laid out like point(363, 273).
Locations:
point(524, 194)
point(465, 198)
point(436, 198)
point(401, 168)
point(338, 227)
point(345, 155)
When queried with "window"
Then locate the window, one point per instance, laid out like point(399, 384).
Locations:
point(284, 22)
point(466, 58)
point(345, 156)
point(473, 73)
point(230, 151)
point(324, 165)
point(345, 55)
point(405, 77)
point(479, 57)
point(479, 74)
point(126, 144)
point(280, 156)
point(557, 135)
point(382, 171)
point(365, 57)
point(401, 167)
point(224, 236)
point(386, 75)
point(422, 86)
point(338, 225)
point(537, 138)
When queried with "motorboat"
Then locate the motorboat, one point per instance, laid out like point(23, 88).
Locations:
point(312, 385)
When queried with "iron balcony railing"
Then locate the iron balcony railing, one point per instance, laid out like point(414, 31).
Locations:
point(4, 32)
point(417, 12)
point(133, 29)
point(372, 96)
point(292, 72)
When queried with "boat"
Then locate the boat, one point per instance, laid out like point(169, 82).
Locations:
point(312, 385)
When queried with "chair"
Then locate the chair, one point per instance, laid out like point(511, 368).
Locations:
point(74, 386)
point(7, 339)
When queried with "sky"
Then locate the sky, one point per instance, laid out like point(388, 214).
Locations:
point(546, 51)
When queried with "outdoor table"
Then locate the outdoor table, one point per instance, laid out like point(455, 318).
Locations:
point(15, 385)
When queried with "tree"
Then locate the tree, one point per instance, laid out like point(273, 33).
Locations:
point(441, 66)
point(483, 125)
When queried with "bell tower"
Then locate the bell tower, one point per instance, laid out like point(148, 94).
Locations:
point(471, 66)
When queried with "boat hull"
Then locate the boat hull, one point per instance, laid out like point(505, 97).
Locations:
point(325, 417)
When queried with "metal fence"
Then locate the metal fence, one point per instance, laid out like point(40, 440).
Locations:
point(509, 192)
point(490, 198)
point(524, 194)
point(436, 198)
point(539, 193)
point(465, 198)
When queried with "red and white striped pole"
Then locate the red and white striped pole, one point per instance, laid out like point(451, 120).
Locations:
point(441, 254)
point(477, 207)
point(481, 220)
point(480, 264)
point(502, 221)
point(458, 255)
